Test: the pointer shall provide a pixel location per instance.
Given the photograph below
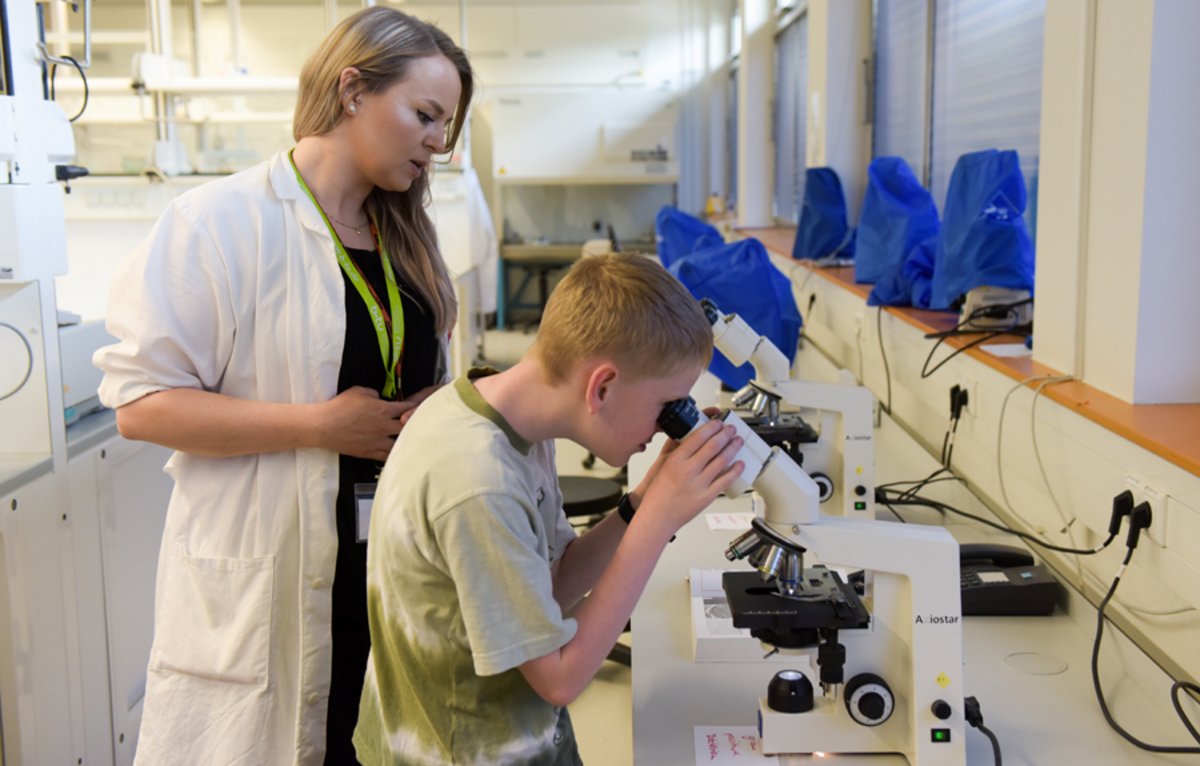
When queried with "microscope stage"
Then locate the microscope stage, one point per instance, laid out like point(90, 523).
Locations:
point(791, 622)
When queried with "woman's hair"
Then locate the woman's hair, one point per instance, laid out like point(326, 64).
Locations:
point(626, 307)
point(382, 43)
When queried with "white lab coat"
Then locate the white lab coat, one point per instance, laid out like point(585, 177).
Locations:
point(237, 291)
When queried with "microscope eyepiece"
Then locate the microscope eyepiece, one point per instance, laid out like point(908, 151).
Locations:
point(680, 417)
point(711, 311)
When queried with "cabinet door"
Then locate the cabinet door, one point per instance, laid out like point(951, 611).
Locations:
point(133, 493)
point(34, 680)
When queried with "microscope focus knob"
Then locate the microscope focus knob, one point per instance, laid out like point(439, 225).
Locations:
point(869, 699)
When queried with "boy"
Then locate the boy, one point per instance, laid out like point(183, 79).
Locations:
point(472, 568)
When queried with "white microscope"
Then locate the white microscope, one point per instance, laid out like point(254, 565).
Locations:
point(888, 659)
point(842, 446)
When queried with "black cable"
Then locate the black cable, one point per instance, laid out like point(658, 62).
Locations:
point(995, 743)
point(944, 507)
point(974, 716)
point(925, 372)
point(1175, 688)
point(1004, 309)
point(887, 370)
point(82, 76)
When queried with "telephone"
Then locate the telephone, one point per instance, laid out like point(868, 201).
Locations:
point(1001, 579)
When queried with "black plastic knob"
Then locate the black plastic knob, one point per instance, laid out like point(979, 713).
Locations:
point(860, 490)
point(871, 705)
point(942, 710)
point(790, 692)
point(869, 699)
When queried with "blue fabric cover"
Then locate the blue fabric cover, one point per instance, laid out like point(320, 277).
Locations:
point(740, 278)
point(823, 230)
point(912, 283)
point(984, 238)
point(897, 214)
point(677, 234)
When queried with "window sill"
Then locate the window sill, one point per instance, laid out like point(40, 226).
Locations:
point(1170, 431)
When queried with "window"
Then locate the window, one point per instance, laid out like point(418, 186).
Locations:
point(901, 82)
point(790, 117)
point(731, 135)
point(980, 89)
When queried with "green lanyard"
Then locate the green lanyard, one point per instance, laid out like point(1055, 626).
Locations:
point(381, 318)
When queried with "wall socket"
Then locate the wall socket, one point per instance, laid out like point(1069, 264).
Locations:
point(1143, 492)
point(972, 389)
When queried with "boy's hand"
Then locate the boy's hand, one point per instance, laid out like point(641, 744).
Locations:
point(639, 492)
point(690, 476)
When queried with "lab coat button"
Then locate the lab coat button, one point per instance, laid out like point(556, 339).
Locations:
point(314, 698)
point(318, 583)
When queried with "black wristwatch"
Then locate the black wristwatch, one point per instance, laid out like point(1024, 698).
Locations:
point(625, 508)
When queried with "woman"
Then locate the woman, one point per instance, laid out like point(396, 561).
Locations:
point(276, 329)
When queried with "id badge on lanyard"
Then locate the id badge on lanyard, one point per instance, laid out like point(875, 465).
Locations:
point(364, 499)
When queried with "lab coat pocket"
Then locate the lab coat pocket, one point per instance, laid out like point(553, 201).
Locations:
point(214, 618)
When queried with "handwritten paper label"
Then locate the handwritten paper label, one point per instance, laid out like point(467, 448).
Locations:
point(722, 745)
point(733, 521)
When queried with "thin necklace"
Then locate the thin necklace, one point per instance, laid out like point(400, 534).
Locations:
point(357, 229)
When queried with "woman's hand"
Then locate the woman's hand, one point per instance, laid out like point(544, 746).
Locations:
point(358, 423)
point(416, 399)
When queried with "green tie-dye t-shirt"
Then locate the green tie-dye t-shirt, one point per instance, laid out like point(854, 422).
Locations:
point(466, 521)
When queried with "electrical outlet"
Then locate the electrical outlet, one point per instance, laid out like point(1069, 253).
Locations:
point(971, 387)
point(1158, 500)
point(1157, 531)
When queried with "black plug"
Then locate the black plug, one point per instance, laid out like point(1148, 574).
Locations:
point(1138, 520)
point(972, 713)
point(958, 401)
point(1122, 506)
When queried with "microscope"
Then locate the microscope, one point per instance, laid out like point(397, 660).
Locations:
point(887, 657)
point(842, 446)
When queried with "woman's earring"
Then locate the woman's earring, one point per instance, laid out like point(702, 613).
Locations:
point(351, 108)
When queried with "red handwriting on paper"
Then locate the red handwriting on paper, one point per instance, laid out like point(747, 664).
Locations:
point(751, 742)
point(733, 744)
point(712, 747)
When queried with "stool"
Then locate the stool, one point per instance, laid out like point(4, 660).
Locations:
point(589, 496)
point(592, 496)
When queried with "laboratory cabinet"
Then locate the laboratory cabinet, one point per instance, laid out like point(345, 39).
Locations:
point(79, 552)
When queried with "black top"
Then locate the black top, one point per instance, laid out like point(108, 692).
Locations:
point(362, 365)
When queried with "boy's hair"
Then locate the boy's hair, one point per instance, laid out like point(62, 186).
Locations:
point(626, 307)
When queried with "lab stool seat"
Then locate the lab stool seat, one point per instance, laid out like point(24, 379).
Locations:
point(589, 499)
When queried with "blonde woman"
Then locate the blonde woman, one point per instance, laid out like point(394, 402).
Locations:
point(277, 328)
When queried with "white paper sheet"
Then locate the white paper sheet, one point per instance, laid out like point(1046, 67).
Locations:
point(727, 745)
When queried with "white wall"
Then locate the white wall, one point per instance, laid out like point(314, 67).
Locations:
point(1119, 163)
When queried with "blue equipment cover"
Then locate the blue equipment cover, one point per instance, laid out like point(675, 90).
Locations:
point(823, 231)
point(740, 278)
point(897, 214)
point(677, 234)
point(912, 283)
point(984, 237)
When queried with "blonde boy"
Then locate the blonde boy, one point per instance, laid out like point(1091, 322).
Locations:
point(480, 634)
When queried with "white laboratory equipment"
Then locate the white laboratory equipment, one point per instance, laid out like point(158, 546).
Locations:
point(80, 515)
point(877, 671)
point(838, 454)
